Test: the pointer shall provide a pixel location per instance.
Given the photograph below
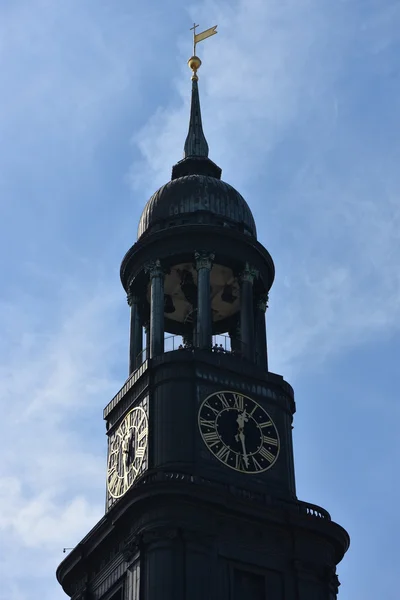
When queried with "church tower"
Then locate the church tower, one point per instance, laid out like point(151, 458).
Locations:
point(201, 500)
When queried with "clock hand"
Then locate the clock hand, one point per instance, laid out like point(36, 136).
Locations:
point(125, 450)
point(242, 438)
point(241, 420)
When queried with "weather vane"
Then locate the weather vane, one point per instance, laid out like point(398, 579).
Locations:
point(194, 62)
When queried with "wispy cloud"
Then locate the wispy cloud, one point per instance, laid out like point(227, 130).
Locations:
point(51, 478)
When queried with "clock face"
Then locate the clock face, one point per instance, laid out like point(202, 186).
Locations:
point(239, 432)
point(127, 452)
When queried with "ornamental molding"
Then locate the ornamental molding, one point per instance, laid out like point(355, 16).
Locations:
point(204, 259)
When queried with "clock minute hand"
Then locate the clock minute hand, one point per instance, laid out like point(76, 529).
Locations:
point(242, 438)
point(125, 451)
point(241, 420)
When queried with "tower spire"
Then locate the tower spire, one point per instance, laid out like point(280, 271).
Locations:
point(196, 143)
point(195, 155)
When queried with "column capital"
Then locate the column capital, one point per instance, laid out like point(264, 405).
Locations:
point(154, 268)
point(204, 259)
point(262, 302)
point(131, 297)
point(131, 547)
point(248, 274)
point(129, 293)
point(159, 534)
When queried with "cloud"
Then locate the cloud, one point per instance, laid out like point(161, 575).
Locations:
point(54, 387)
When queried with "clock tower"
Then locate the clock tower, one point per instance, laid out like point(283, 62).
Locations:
point(201, 500)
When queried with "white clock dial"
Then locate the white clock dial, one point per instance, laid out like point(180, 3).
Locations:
point(128, 448)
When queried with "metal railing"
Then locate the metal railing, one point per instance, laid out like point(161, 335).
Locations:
point(303, 508)
point(221, 344)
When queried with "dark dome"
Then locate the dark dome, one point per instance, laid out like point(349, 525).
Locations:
point(196, 199)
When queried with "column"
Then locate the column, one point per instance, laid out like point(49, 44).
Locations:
point(260, 331)
point(146, 327)
point(135, 338)
point(247, 312)
point(204, 317)
point(234, 334)
point(156, 308)
point(163, 562)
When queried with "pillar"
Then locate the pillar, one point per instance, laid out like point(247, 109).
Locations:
point(247, 312)
point(163, 562)
point(204, 317)
point(156, 308)
point(136, 334)
point(234, 334)
point(146, 327)
point(261, 331)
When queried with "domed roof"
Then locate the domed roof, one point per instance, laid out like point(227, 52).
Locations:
point(196, 193)
point(196, 198)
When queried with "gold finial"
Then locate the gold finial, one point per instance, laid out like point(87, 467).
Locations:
point(194, 62)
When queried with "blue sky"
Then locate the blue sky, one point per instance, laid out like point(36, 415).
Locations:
point(300, 103)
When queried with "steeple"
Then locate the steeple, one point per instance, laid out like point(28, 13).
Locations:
point(195, 156)
point(196, 143)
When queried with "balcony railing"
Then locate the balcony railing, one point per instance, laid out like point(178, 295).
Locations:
point(221, 344)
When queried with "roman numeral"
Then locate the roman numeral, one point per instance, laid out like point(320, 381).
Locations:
point(265, 424)
point(140, 452)
point(257, 465)
point(238, 402)
point(115, 444)
point(269, 440)
point(119, 487)
point(223, 400)
point(112, 471)
point(112, 482)
point(112, 460)
point(215, 411)
point(223, 454)
point(142, 434)
point(266, 454)
point(211, 438)
point(239, 463)
point(206, 423)
point(253, 410)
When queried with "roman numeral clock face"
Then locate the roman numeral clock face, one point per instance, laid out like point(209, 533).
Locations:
point(238, 432)
point(127, 454)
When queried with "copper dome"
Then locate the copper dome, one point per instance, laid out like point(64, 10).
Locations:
point(194, 199)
